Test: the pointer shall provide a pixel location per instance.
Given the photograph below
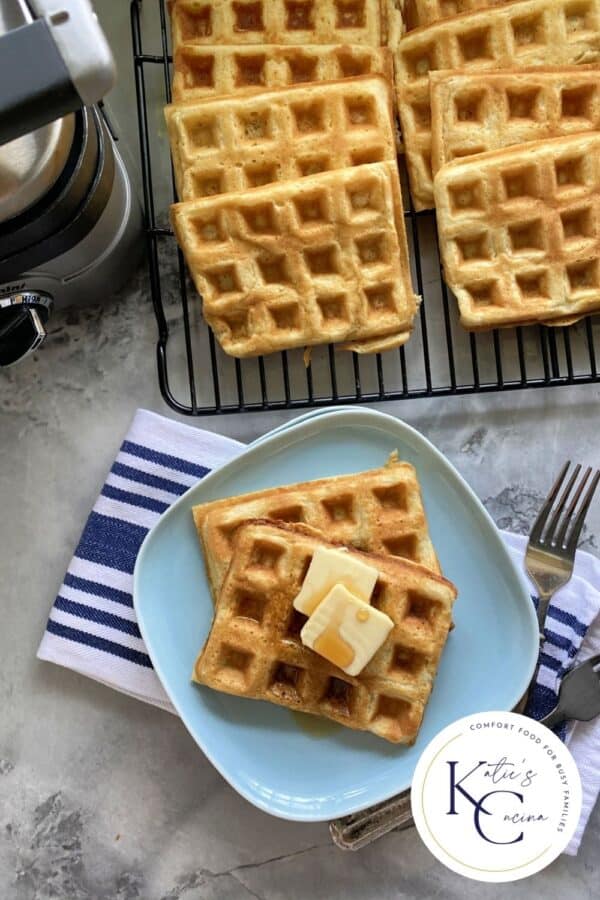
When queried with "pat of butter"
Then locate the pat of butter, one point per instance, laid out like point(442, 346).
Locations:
point(345, 630)
point(330, 567)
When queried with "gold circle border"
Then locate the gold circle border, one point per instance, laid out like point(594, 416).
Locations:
point(447, 852)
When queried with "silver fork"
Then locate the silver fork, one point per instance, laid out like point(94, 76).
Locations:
point(550, 554)
point(549, 560)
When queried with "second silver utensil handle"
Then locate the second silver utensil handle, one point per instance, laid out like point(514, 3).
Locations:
point(554, 718)
point(358, 830)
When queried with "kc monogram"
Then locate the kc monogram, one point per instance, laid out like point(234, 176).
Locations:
point(478, 807)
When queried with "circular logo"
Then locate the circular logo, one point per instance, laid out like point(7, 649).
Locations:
point(496, 796)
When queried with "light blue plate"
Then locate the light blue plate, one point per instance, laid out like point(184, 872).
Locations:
point(261, 749)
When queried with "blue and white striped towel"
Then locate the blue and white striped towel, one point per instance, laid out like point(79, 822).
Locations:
point(92, 627)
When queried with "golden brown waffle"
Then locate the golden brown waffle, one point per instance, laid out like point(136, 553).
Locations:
point(519, 231)
point(304, 262)
point(203, 72)
point(370, 22)
point(254, 647)
point(427, 12)
point(475, 113)
point(531, 32)
point(379, 510)
point(377, 345)
point(239, 142)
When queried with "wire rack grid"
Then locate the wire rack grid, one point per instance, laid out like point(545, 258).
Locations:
point(441, 358)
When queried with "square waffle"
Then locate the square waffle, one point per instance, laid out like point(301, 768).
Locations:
point(239, 142)
point(317, 260)
point(380, 511)
point(472, 114)
point(202, 72)
point(370, 22)
point(254, 648)
point(427, 12)
point(519, 231)
point(525, 33)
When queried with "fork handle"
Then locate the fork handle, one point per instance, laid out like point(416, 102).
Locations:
point(520, 707)
point(542, 611)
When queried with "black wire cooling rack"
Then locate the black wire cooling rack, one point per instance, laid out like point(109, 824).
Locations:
point(441, 358)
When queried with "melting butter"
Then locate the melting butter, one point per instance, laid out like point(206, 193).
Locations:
point(345, 630)
point(329, 567)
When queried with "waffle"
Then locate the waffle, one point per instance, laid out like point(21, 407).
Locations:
point(369, 22)
point(377, 345)
point(203, 72)
point(519, 231)
point(318, 260)
point(498, 109)
point(235, 143)
point(254, 647)
point(379, 510)
point(531, 32)
point(427, 12)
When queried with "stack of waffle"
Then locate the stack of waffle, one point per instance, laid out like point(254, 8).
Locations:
point(500, 111)
point(258, 549)
point(283, 142)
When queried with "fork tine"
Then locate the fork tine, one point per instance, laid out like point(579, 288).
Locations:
point(561, 505)
point(560, 537)
point(538, 525)
point(578, 524)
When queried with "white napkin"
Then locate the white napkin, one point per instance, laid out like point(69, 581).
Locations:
point(92, 627)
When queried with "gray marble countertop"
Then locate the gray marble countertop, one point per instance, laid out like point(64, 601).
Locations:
point(104, 797)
